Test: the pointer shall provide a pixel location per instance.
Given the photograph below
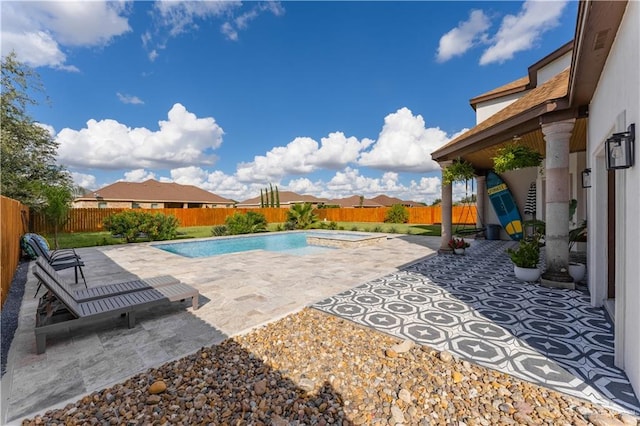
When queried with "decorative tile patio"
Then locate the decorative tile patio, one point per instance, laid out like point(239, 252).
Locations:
point(474, 307)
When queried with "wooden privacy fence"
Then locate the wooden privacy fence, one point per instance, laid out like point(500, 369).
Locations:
point(90, 220)
point(12, 226)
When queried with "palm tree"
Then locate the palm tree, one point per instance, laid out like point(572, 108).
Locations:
point(302, 216)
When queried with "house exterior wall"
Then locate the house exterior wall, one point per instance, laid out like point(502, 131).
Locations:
point(486, 109)
point(615, 105)
point(549, 71)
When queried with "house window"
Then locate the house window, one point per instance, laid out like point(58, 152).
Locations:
point(154, 205)
point(135, 205)
point(102, 204)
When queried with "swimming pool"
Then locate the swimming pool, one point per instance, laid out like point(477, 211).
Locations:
point(295, 243)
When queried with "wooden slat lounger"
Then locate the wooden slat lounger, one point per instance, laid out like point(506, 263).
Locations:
point(70, 313)
point(91, 293)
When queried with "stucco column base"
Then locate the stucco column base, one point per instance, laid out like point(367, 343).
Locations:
point(447, 250)
point(557, 280)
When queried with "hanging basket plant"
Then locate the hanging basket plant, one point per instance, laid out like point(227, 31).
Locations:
point(514, 156)
point(459, 170)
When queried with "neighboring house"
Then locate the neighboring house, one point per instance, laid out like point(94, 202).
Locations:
point(286, 198)
point(567, 109)
point(355, 201)
point(151, 194)
point(387, 201)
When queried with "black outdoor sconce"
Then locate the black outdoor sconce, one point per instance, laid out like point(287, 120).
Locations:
point(620, 149)
point(586, 178)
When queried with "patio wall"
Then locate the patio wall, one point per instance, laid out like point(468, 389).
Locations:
point(12, 226)
point(90, 220)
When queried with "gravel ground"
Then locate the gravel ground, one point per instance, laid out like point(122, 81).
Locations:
point(11, 310)
point(311, 368)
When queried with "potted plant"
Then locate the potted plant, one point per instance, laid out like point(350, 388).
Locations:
point(458, 245)
point(577, 270)
point(514, 156)
point(526, 258)
point(458, 171)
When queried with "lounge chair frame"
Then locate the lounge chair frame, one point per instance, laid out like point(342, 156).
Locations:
point(59, 310)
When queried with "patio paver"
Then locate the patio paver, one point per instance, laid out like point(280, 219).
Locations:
point(474, 307)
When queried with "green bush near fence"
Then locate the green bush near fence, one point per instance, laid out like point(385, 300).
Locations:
point(247, 223)
point(133, 225)
point(397, 214)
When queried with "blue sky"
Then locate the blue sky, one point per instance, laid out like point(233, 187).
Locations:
point(326, 98)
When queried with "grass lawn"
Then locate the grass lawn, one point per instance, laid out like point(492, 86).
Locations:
point(92, 239)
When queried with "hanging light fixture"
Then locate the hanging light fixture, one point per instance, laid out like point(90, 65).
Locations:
point(620, 149)
point(586, 178)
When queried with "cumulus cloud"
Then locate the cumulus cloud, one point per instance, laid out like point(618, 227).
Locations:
point(183, 139)
point(39, 31)
point(84, 180)
point(521, 32)
point(129, 99)
point(460, 39)
point(404, 144)
point(138, 175)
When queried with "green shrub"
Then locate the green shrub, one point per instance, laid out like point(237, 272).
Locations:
point(126, 224)
point(393, 230)
point(397, 214)
point(323, 225)
point(354, 228)
point(302, 216)
point(377, 228)
point(289, 225)
point(133, 224)
point(219, 231)
point(159, 227)
point(247, 223)
point(333, 225)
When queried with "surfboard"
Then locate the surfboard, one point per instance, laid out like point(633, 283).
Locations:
point(505, 206)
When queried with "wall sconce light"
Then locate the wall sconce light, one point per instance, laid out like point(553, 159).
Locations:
point(620, 149)
point(586, 178)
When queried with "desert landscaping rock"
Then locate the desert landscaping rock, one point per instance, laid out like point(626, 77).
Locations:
point(311, 368)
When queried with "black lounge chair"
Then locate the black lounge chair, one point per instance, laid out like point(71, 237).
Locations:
point(58, 260)
point(59, 310)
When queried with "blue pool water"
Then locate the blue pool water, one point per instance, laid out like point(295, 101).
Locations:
point(292, 243)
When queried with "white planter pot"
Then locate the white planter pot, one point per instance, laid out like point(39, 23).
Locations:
point(526, 274)
point(458, 251)
point(577, 271)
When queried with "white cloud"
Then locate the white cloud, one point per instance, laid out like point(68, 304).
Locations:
point(84, 180)
point(460, 39)
point(183, 139)
point(404, 144)
point(129, 99)
point(38, 31)
point(182, 16)
point(336, 150)
point(521, 32)
point(241, 22)
point(138, 175)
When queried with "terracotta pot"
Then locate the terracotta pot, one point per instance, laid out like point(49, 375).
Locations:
point(526, 274)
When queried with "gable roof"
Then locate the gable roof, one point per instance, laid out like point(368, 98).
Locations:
point(354, 201)
point(153, 191)
point(548, 97)
point(385, 200)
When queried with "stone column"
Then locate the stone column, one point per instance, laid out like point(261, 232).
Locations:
point(481, 193)
point(446, 209)
point(557, 136)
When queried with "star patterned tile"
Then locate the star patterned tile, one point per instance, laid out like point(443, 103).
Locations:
point(474, 307)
